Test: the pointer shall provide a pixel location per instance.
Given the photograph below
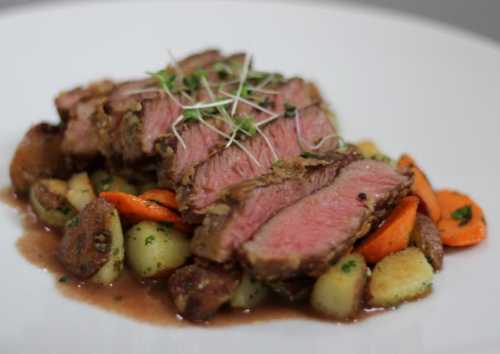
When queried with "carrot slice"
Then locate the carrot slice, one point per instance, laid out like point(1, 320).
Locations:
point(137, 209)
point(161, 196)
point(394, 234)
point(462, 221)
point(422, 188)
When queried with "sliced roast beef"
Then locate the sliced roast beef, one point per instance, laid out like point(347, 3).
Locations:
point(304, 237)
point(248, 205)
point(129, 125)
point(38, 155)
point(66, 101)
point(199, 290)
point(233, 165)
point(201, 142)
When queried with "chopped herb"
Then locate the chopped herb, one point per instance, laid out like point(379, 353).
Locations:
point(463, 215)
point(149, 240)
point(192, 82)
point(63, 279)
point(245, 91)
point(247, 124)
point(265, 102)
point(160, 229)
point(73, 222)
point(64, 209)
point(308, 155)
point(165, 79)
point(290, 110)
point(191, 115)
point(223, 70)
point(348, 266)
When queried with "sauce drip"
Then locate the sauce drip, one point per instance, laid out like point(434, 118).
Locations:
point(145, 301)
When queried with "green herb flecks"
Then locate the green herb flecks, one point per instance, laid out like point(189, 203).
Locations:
point(348, 266)
point(246, 124)
point(191, 115)
point(149, 240)
point(463, 215)
point(223, 70)
point(165, 79)
point(66, 210)
point(73, 222)
point(309, 155)
point(63, 279)
point(290, 110)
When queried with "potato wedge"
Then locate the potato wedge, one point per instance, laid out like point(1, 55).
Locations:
point(338, 292)
point(152, 250)
point(113, 267)
point(402, 276)
point(48, 200)
point(80, 190)
point(249, 293)
point(105, 182)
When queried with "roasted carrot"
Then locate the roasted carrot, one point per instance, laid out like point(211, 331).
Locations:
point(161, 196)
point(422, 188)
point(462, 220)
point(137, 209)
point(394, 234)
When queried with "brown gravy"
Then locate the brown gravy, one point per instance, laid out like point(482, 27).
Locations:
point(128, 296)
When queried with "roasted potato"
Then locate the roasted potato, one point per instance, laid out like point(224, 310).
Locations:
point(153, 250)
point(249, 293)
point(105, 182)
point(370, 150)
point(48, 200)
point(92, 244)
point(80, 191)
point(402, 276)
point(427, 238)
point(114, 266)
point(338, 293)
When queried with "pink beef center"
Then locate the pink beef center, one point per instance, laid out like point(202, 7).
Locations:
point(265, 202)
point(234, 165)
point(200, 140)
point(158, 118)
point(324, 220)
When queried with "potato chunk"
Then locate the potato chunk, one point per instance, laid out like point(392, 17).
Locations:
point(92, 245)
point(249, 293)
point(48, 200)
point(402, 276)
point(105, 182)
point(338, 292)
point(153, 249)
point(80, 191)
point(114, 266)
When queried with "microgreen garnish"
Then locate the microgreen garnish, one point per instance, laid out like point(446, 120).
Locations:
point(463, 215)
point(165, 79)
point(222, 70)
point(246, 124)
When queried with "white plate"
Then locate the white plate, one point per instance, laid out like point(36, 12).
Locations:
point(412, 86)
